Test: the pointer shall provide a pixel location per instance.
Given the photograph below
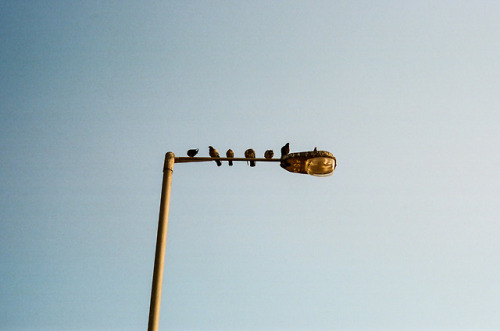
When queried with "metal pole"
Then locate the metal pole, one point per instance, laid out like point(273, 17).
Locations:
point(161, 240)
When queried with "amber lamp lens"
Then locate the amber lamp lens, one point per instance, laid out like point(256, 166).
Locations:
point(320, 166)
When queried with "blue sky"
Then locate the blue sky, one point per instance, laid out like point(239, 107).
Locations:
point(403, 236)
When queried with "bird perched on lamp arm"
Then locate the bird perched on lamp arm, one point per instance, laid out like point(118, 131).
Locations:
point(214, 154)
point(230, 154)
point(192, 152)
point(269, 154)
point(285, 150)
point(250, 153)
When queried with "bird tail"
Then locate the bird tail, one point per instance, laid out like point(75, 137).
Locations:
point(230, 163)
point(219, 163)
point(252, 163)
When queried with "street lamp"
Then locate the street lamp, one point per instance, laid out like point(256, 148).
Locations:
point(316, 163)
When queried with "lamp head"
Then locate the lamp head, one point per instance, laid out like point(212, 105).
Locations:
point(315, 163)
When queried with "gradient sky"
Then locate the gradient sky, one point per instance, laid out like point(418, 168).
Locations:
point(404, 235)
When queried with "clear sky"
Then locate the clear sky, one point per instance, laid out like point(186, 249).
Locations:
point(404, 235)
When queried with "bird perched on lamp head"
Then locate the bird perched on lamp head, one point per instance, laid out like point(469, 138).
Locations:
point(285, 150)
point(192, 152)
point(214, 154)
point(250, 154)
point(230, 153)
point(269, 154)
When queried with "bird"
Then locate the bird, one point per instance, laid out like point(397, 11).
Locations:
point(215, 154)
point(230, 153)
point(285, 150)
point(315, 149)
point(250, 153)
point(192, 152)
point(269, 154)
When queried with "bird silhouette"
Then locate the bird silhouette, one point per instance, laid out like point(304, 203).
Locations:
point(250, 153)
point(214, 154)
point(285, 150)
point(269, 154)
point(192, 152)
point(230, 153)
point(315, 149)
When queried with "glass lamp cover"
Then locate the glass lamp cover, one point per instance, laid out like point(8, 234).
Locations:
point(320, 166)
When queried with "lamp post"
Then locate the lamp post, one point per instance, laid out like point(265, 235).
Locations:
point(316, 163)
